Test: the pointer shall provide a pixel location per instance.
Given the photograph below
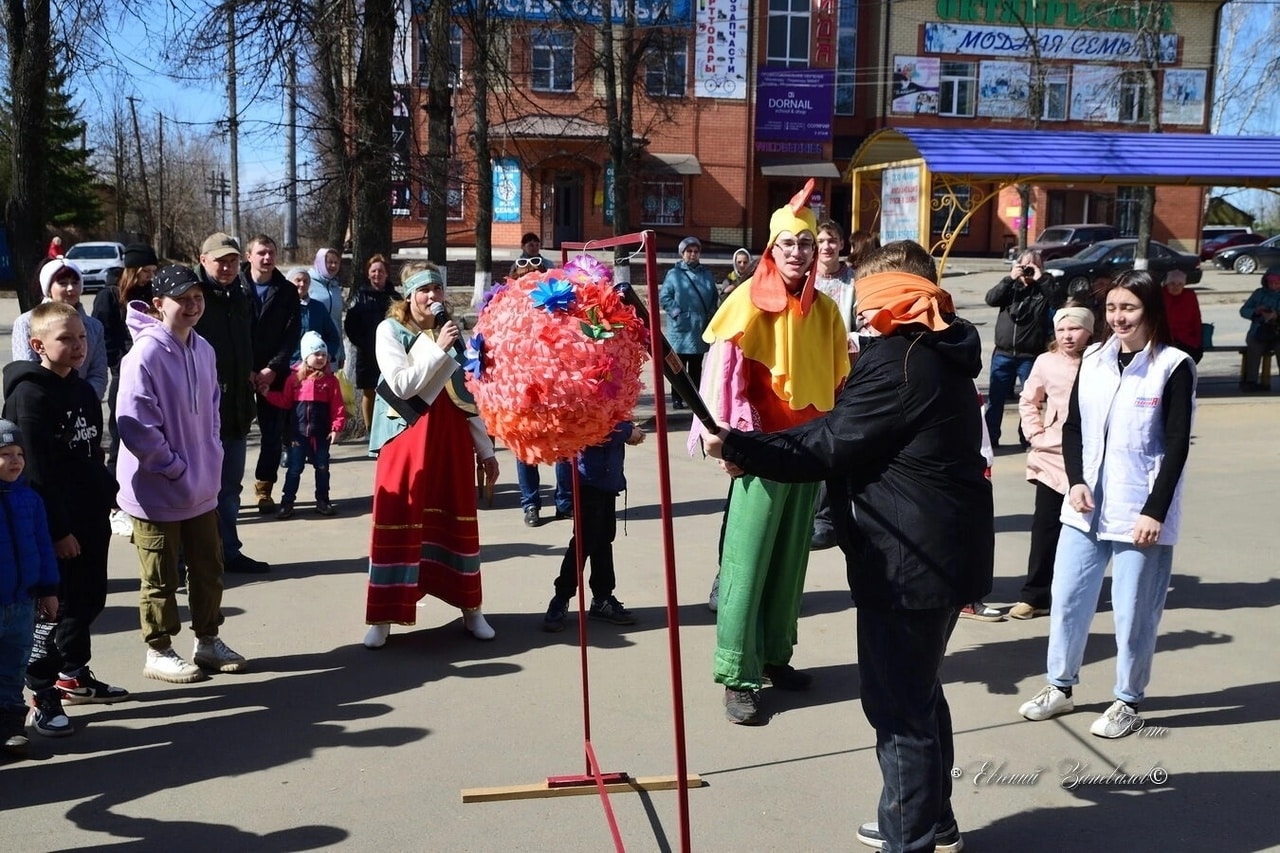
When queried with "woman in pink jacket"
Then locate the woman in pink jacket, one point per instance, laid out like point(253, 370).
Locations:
point(1043, 407)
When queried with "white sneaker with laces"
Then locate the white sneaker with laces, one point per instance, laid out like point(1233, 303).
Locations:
point(168, 665)
point(1049, 702)
point(212, 653)
point(376, 636)
point(1118, 720)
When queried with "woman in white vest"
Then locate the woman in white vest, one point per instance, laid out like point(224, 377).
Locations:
point(1124, 443)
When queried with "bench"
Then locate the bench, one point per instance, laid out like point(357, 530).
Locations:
point(1265, 378)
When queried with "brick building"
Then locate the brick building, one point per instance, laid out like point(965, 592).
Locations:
point(739, 102)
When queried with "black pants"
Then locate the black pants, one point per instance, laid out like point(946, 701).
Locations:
point(822, 512)
point(1045, 528)
point(82, 595)
point(693, 367)
point(271, 423)
point(899, 655)
point(597, 522)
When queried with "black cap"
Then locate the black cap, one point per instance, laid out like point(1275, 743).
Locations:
point(174, 280)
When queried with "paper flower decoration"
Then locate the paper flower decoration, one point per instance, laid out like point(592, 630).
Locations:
point(558, 361)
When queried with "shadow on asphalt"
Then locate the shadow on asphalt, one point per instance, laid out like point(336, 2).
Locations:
point(219, 729)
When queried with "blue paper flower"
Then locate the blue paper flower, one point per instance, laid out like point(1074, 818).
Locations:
point(475, 356)
point(554, 295)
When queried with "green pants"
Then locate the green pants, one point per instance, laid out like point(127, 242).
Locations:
point(160, 545)
point(766, 553)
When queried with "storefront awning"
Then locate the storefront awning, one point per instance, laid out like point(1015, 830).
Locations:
point(675, 164)
point(798, 169)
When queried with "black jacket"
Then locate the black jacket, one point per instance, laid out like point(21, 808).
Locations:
point(115, 334)
point(227, 325)
point(368, 308)
point(277, 323)
point(1024, 325)
point(61, 420)
point(901, 452)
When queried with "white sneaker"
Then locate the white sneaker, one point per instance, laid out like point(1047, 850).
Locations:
point(1118, 720)
point(212, 653)
point(121, 523)
point(1049, 702)
point(376, 636)
point(168, 665)
point(475, 623)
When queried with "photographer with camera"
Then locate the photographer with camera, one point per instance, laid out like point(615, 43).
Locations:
point(1025, 298)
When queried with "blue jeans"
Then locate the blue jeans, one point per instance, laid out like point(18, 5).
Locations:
point(530, 483)
point(234, 451)
point(1139, 584)
point(899, 654)
point(301, 451)
point(1004, 370)
point(17, 626)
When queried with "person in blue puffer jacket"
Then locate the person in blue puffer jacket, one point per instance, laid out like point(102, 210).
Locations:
point(1262, 310)
point(689, 298)
point(600, 479)
point(28, 583)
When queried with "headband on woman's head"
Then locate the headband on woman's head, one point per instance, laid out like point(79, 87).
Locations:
point(1077, 314)
point(903, 299)
point(421, 279)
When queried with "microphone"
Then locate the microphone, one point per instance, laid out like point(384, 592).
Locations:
point(441, 313)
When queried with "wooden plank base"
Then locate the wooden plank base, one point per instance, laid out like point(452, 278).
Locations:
point(542, 789)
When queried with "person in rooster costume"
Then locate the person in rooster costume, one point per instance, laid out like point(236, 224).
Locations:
point(779, 357)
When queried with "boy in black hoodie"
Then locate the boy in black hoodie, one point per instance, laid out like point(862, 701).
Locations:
point(61, 417)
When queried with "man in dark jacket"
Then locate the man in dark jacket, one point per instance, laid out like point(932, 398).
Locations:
point(913, 513)
point(1026, 299)
point(227, 324)
point(277, 329)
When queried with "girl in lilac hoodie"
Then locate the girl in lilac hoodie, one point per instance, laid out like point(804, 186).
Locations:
point(170, 470)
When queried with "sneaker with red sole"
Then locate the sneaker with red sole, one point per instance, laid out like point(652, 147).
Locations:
point(83, 689)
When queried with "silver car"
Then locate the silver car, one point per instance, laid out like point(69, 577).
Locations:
point(94, 259)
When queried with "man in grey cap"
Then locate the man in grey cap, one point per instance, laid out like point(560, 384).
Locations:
point(227, 324)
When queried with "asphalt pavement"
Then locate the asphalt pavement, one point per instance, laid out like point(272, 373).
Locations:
point(324, 744)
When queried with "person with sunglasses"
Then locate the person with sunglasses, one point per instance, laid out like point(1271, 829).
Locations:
point(531, 259)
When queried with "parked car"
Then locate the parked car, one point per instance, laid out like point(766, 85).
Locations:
point(1063, 241)
point(1247, 260)
point(1112, 257)
point(94, 259)
point(1225, 241)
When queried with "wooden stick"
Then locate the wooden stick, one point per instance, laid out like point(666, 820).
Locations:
point(541, 789)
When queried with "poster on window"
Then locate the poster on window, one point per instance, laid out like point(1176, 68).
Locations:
point(900, 205)
point(1095, 93)
point(1182, 101)
point(1004, 89)
point(401, 137)
point(915, 85)
point(720, 49)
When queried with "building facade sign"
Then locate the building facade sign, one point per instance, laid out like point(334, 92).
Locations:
point(900, 205)
point(795, 104)
point(1016, 42)
point(721, 49)
point(1051, 13)
point(506, 190)
point(649, 13)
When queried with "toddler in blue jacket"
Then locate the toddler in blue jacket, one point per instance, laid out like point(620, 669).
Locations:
point(28, 583)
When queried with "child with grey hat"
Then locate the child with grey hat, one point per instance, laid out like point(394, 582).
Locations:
point(28, 583)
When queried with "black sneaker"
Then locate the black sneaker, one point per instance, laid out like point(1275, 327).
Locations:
point(46, 715)
point(823, 538)
point(286, 511)
point(14, 735)
point(786, 677)
point(557, 612)
point(325, 508)
point(531, 518)
point(564, 514)
point(243, 564)
point(742, 706)
point(611, 610)
point(946, 840)
point(83, 688)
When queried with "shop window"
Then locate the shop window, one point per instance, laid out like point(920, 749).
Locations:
point(662, 202)
point(552, 60)
point(956, 89)
point(947, 209)
point(846, 55)
point(1055, 103)
point(455, 56)
point(1133, 97)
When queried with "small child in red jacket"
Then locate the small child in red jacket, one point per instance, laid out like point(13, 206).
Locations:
point(319, 414)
